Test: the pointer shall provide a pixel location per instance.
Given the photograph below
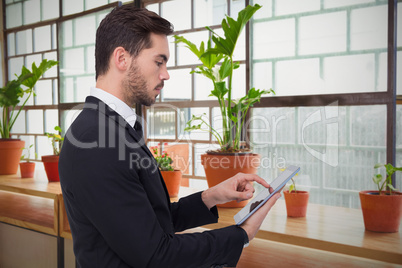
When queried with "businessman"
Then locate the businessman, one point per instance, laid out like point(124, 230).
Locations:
point(117, 204)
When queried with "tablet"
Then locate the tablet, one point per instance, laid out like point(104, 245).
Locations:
point(264, 195)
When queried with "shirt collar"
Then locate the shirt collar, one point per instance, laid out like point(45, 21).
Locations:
point(115, 104)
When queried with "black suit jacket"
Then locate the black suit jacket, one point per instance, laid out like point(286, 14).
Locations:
point(118, 207)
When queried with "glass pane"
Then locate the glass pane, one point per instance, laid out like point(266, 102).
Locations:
point(52, 72)
point(357, 73)
point(19, 125)
point(265, 11)
point(184, 55)
point(14, 67)
point(239, 82)
point(336, 148)
point(161, 122)
point(274, 39)
point(285, 7)
point(202, 88)
point(68, 93)
point(322, 33)
point(51, 120)
point(44, 146)
point(209, 12)
point(16, 19)
point(89, 4)
point(50, 9)
point(44, 89)
point(83, 26)
point(72, 6)
point(342, 3)
point(178, 87)
point(240, 50)
point(24, 42)
point(369, 129)
point(42, 38)
point(11, 44)
point(37, 58)
point(72, 62)
point(369, 28)
point(169, 12)
point(83, 86)
point(66, 39)
point(35, 121)
point(90, 62)
point(55, 91)
point(262, 75)
point(172, 51)
point(31, 11)
point(235, 7)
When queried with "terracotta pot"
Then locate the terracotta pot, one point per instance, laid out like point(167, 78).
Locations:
point(180, 154)
point(10, 154)
point(51, 163)
point(296, 203)
point(172, 180)
point(221, 167)
point(27, 169)
point(381, 213)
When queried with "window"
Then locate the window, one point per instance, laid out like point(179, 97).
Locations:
point(327, 62)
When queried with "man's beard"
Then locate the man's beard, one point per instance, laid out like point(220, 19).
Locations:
point(135, 88)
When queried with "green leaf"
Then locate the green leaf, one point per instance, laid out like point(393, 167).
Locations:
point(291, 187)
point(391, 187)
point(232, 30)
point(377, 179)
point(378, 165)
point(220, 90)
point(37, 72)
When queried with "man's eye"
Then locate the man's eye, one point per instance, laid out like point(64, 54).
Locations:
point(159, 63)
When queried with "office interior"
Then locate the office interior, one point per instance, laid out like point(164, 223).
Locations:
point(335, 67)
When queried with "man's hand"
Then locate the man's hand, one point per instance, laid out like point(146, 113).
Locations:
point(238, 188)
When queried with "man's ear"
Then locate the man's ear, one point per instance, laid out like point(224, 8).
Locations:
point(121, 58)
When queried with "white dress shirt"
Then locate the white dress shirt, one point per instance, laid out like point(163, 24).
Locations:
point(116, 104)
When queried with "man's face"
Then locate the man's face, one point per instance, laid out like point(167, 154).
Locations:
point(147, 73)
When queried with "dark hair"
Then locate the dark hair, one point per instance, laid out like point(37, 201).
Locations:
point(129, 27)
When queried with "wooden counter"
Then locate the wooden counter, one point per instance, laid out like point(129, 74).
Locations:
point(334, 229)
point(38, 205)
point(30, 203)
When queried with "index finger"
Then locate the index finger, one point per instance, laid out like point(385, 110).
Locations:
point(256, 178)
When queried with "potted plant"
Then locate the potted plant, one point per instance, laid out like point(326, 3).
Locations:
point(51, 162)
point(296, 201)
point(171, 176)
point(382, 209)
point(27, 168)
point(10, 97)
point(218, 65)
point(179, 152)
